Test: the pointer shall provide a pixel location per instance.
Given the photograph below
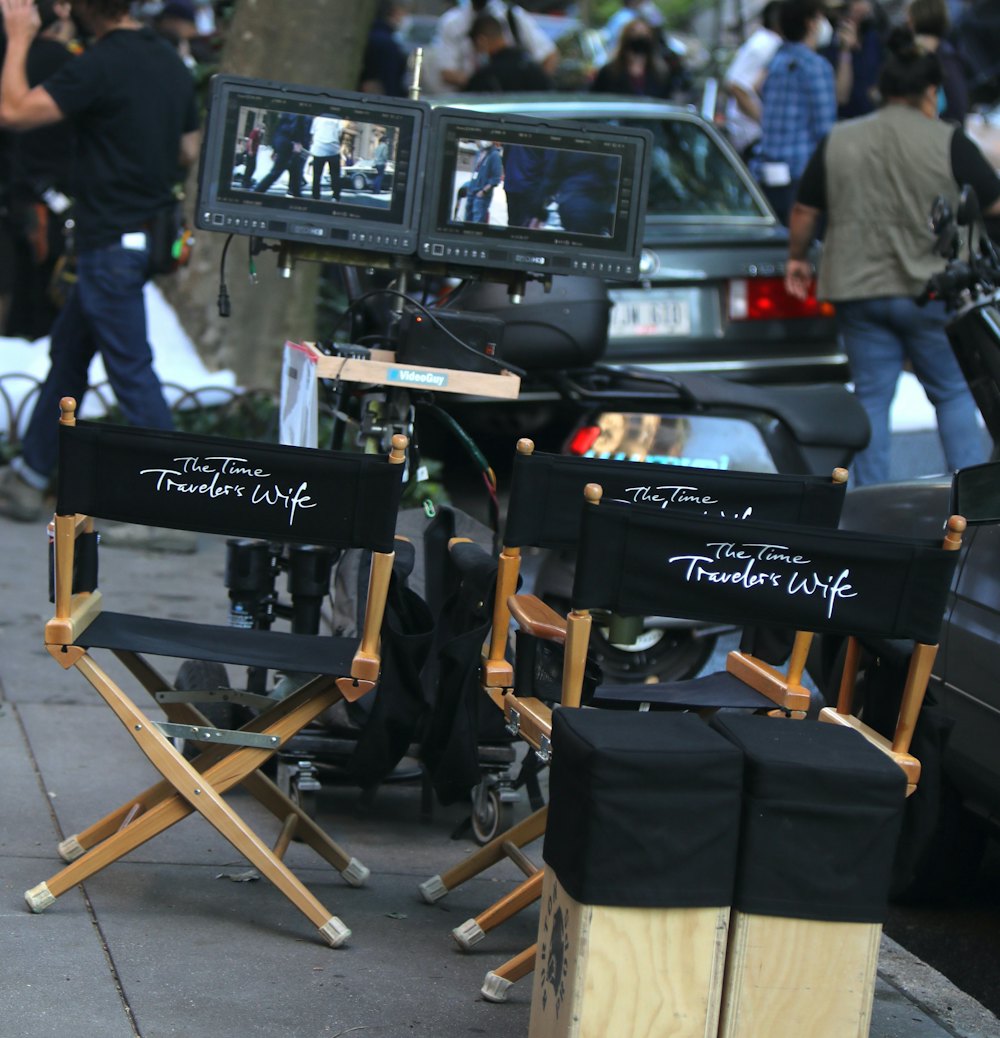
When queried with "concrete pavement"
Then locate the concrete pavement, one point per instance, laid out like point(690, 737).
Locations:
point(173, 942)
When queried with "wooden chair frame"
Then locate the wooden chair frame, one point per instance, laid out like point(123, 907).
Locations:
point(199, 785)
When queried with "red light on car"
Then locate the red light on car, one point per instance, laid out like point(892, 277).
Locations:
point(584, 439)
point(765, 299)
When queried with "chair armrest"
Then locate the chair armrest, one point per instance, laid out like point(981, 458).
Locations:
point(537, 618)
point(906, 761)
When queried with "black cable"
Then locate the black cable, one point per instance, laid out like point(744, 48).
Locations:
point(225, 307)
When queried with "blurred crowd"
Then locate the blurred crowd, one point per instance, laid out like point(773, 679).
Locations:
point(801, 68)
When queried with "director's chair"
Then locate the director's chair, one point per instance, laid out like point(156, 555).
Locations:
point(638, 561)
point(544, 512)
point(232, 488)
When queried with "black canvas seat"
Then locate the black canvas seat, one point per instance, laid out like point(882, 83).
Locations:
point(330, 499)
point(275, 650)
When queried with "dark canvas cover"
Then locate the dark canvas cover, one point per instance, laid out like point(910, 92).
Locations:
point(822, 810)
point(636, 562)
point(644, 809)
point(546, 495)
point(221, 485)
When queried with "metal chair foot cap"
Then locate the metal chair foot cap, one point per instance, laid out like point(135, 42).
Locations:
point(70, 849)
point(39, 898)
point(433, 889)
point(334, 932)
point(356, 874)
point(467, 935)
point(495, 988)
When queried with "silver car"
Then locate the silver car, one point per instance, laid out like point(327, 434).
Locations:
point(711, 295)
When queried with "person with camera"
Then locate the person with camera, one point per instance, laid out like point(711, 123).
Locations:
point(875, 179)
point(133, 104)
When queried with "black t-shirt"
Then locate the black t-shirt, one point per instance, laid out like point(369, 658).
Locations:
point(130, 99)
point(968, 166)
point(509, 69)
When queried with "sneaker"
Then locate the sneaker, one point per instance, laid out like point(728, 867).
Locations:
point(147, 538)
point(19, 500)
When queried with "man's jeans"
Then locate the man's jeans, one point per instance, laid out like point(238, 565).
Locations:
point(879, 335)
point(105, 312)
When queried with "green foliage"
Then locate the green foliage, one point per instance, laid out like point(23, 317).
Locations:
point(676, 13)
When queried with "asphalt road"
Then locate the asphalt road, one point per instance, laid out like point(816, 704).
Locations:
point(959, 937)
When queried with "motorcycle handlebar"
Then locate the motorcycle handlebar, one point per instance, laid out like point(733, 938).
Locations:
point(946, 285)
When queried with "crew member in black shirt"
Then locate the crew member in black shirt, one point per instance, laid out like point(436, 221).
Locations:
point(132, 103)
point(508, 67)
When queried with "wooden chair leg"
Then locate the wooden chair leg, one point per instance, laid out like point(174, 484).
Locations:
point(201, 791)
point(472, 931)
point(528, 829)
point(269, 796)
point(499, 981)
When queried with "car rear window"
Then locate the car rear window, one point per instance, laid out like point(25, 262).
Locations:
point(692, 175)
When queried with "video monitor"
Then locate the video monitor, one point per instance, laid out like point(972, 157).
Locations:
point(533, 195)
point(298, 163)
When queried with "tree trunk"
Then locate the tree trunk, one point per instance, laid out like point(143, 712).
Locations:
point(314, 42)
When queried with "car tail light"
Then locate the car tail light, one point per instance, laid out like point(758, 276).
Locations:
point(765, 299)
point(584, 439)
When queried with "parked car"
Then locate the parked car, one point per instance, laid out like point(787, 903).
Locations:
point(711, 294)
point(960, 783)
point(361, 177)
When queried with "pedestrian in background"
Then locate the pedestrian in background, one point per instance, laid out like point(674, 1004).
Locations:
point(451, 59)
point(745, 76)
point(931, 25)
point(289, 147)
point(36, 181)
point(875, 178)
point(132, 101)
point(638, 66)
point(856, 52)
point(507, 67)
point(383, 67)
point(798, 101)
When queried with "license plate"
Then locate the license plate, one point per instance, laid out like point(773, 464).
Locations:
point(661, 313)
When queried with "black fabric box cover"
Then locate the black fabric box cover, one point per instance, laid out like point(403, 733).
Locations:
point(644, 809)
point(822, 811)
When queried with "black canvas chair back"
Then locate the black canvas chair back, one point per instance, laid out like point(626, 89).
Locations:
point(546, 489)
point(633, 561)
point(226, 486)
point(546, 502)
point(233, 488)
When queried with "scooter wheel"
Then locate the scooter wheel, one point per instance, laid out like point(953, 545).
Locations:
point(659, 654)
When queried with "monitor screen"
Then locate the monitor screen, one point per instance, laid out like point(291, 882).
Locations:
point(297, 163)
point(534, 195)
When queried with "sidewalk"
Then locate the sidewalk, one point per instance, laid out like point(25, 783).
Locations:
point(171, 942)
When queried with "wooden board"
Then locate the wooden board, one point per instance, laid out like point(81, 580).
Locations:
point(605, 972)
point(383, 370)
point(789, 978)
